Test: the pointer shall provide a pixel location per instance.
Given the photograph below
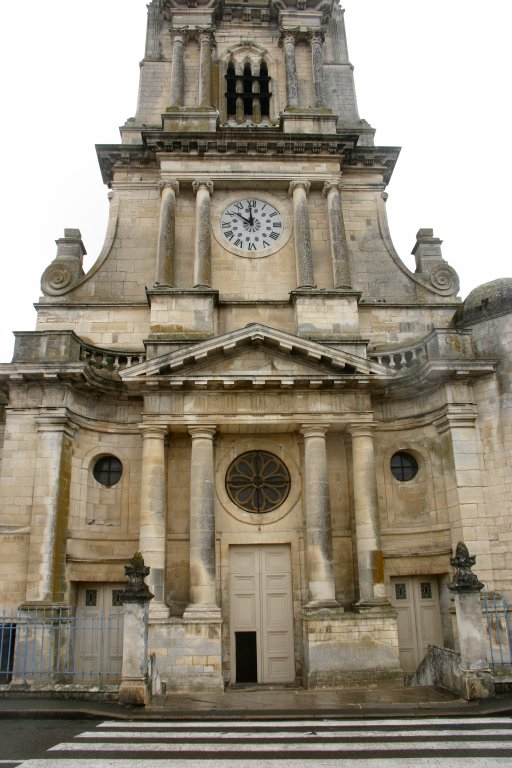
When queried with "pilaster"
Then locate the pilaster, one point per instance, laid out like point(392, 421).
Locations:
point(50, 511)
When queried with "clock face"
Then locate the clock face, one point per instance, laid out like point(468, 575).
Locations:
point(251, 225)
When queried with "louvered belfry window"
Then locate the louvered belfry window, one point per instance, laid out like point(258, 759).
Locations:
point(248, 94)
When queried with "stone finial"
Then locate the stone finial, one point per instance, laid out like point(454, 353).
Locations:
point(136, 590)
point(464, 580)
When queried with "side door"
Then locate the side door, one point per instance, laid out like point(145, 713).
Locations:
point(416, 600)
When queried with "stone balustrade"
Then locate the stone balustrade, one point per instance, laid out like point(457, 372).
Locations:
point(109, 360)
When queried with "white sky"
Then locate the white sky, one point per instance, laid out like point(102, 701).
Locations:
point(432, 77)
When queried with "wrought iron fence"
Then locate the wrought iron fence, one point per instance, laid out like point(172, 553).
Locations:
point(498, 623)
point(60, 645)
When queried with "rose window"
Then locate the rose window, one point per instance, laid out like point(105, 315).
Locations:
point(257, 481)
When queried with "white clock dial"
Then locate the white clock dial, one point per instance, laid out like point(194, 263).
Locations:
point(251, 224)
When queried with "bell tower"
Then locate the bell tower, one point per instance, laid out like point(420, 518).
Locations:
point(249, 386)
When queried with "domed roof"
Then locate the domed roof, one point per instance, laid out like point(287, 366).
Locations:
point(486, 301)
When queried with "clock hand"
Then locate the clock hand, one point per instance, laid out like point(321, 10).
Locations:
point(251, 221)
point(247, 221)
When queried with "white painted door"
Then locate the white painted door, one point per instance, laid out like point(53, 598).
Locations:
point(416, 600)
point(261, 614)
point(99, 632)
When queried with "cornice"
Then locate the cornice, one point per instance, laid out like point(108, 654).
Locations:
point(249, 143)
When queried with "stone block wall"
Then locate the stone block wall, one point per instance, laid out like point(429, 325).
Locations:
point(188, 655)
point(348, 649)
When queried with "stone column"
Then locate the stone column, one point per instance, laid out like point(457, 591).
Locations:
point(134, 688)
point(318, 519)
point(152, 526)
point(203, 188)
point(178, 67)
point(339, 251)
point(202, 525)
point(299, 191)
point(288, 37)
point(206, 41)
point(166, 233)
point(50, 509)
point(316, 40)
point(369, 552)
point(476, 676)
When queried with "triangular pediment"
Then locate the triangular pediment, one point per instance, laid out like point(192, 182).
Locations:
point(256, 354)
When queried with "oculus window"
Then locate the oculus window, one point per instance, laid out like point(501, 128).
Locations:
point(107, 470)
point(403, 466)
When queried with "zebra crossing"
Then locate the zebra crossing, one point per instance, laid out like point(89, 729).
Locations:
point(471, 742)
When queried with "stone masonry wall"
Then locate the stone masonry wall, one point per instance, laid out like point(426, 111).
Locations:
point(351, 650)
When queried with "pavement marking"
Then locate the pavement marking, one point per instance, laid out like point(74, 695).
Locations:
point(206, 724)
point(394, 762)
point(260, 735)
point(282, 746)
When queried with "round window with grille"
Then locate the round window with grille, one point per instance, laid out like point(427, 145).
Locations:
point(108, 470)
point(403, 466)
point(257, 481)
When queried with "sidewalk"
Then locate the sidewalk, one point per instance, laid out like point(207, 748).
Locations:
point(265, 703)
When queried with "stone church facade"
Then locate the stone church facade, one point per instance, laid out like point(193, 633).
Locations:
point(249, 386)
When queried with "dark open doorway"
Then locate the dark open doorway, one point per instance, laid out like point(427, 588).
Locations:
point(246, 659)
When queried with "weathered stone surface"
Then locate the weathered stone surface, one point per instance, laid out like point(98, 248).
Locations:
point(176, 353)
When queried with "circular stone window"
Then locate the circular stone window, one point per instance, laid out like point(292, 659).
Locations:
point(257, 481)
point(403, 466)
point(108, 470)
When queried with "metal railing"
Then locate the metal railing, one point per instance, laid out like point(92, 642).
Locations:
point(60, 645)
point(498, 624)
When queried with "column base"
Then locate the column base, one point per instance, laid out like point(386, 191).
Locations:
point(323, 606)
point(373, 605)
point(158, 610)
point(203, 612)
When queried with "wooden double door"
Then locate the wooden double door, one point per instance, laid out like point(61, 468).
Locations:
point(416, 600)
point(261, 615)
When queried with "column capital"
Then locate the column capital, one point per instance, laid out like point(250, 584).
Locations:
point(155, 431)
point(288, 35)
point(56, 422)
point(206, 35)
point(331, 186)
point(199, 183)
point(314, 430)
point(299, 184)
point(361, 430)
point(169, 184)
point(315, 36)
point(179, 34)
point(205, 431)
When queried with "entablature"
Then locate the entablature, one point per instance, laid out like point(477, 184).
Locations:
point(250, 144)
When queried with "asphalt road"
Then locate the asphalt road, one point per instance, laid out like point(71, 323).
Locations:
point(24, 739)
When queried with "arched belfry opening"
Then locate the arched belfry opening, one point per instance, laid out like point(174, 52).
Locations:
point(247, 91)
